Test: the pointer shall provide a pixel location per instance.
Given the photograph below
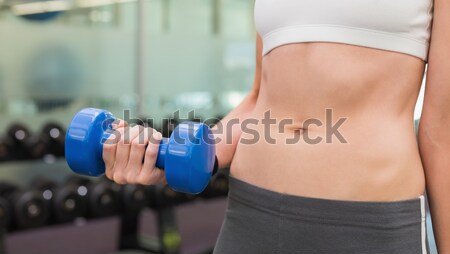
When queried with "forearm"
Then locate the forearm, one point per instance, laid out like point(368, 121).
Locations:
point(434, 142)
point(228, 131)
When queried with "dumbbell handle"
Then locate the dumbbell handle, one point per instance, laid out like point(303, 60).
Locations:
point(160, 160)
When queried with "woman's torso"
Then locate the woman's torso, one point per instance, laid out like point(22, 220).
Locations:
point(373, 155)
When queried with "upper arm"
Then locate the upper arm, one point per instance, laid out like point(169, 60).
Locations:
point(436, 109)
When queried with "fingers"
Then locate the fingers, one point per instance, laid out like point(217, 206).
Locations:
point(130, 155)
point(149, 174)
point(123, 150)
point(119, 123)
point(138, 146)
point(110, 147)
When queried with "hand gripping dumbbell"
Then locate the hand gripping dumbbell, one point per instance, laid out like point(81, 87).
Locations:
point(187, 157)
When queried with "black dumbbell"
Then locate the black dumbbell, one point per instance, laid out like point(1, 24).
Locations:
point(132, 197)
point(36, 147)
point(5, 214)
point(6, 149)
point(100, 196)
point(48, 144)
point(54, 134)
point(64, 201)
point(20, 136)
point(29, 209)
point(162, 196)
point(220, 184)
point(168, 126)
point(217, 187)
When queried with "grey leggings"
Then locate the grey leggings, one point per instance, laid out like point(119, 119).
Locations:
point(261, 221)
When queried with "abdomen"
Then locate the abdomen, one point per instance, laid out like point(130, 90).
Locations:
point(311, 88)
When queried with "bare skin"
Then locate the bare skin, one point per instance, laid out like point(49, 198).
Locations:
point(379, 162)
point(374, 90)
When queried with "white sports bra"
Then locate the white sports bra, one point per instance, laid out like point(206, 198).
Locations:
point(395, 25)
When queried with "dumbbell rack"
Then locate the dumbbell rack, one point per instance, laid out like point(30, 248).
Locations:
point(167, 240)
point(156, 230)
point(187, 228)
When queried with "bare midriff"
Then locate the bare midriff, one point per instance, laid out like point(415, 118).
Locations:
point(334, 121)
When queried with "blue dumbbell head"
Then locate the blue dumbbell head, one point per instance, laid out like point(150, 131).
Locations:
point(84, 141)
point(187, 157)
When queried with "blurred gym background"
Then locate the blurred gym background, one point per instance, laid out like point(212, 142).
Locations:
point(151, 57)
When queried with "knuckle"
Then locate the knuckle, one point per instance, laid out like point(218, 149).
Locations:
point(157, 173)
point(137, 131)
point(151, 153)
point(119, 178)
point(157, 135)
point(138, 143)
point(124, 142)
point(109, 175)
point(150, 131)
point(131, 178)
point(124, 138)
point(109, 148)
point(139, 128)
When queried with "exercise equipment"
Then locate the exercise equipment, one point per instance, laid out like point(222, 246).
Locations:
point(49, 142)
point(162, 196)
point(55, 76)
point(20, 136)
point(63, 201)
point(28, 207)
point(6, 149)
point(54, 135)
point(25, 145)
point(187, 157)
point(134, 197)
point(217, 187)
point(168, 126)
point(36, 147)
point(100, 196)
point(5, 214)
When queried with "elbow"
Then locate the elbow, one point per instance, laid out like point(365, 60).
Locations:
point(433, 135)
point(425, 137)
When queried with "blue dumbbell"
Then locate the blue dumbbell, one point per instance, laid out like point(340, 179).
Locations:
point(187, 157)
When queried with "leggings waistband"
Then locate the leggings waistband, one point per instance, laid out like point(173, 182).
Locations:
point(393, 214)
